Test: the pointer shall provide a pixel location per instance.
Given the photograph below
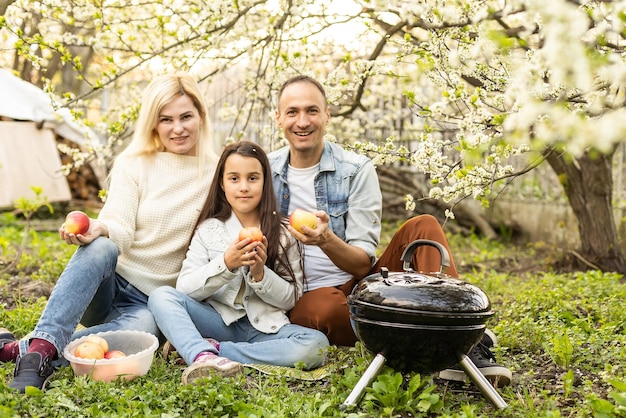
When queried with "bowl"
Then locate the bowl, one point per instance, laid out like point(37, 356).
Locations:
point(138, 346)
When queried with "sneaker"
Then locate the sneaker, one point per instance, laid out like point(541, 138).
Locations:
point(485, 361)
point(208, 363)
point(5, 337)
point(489, 339)
point(31, 370)
point(214, 343)
point(170, 351)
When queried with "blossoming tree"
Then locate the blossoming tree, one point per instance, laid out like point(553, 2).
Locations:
point(473, 83)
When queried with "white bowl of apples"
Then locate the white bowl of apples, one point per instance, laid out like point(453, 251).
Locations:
point(112, 355)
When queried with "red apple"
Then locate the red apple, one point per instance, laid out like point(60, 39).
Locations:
point(251, 232)
point(301, 217)
point(98, 340)
point(90, 350)
point(114, 354)
point(76, 222)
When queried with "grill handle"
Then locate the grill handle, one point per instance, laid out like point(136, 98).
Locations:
point(410, 249)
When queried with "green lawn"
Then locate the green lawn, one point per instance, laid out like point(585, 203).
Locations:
point(562, 335)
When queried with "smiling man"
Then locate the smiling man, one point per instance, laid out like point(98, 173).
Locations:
point(341, 188)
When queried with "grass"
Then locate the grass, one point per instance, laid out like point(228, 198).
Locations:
point(562, 334)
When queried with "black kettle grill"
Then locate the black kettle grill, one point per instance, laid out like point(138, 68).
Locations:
point(419, 322)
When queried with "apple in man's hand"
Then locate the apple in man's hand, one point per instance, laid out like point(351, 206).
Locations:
point(301, 217)
point(251, 232)
point(77, 222)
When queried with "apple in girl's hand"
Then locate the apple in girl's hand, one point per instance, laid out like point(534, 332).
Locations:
point(98, 340)
point(251, 232)
point(114, 354)
point(90, 350)
point(301, 217)
point(76, 222)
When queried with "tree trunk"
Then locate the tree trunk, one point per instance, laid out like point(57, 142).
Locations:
point(588, 184)
point(4, 4)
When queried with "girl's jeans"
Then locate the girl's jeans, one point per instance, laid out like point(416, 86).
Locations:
point(90, 292)
point(186, 322)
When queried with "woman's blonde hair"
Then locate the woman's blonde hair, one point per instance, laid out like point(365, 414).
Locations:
point(162, 90)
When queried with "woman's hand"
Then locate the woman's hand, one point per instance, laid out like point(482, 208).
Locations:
point(96, 229)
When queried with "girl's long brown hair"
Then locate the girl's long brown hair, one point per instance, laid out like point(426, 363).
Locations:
point(272, 221)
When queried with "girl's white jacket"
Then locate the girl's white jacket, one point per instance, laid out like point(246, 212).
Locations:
point(205, 277)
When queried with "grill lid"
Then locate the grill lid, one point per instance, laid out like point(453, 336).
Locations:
point(408, 290)
point(420, 292)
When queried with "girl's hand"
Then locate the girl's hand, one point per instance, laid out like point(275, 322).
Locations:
point(260, 257)
point(246, 253)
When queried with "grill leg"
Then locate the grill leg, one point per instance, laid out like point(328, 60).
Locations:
point(364, 381)
point(483, 384)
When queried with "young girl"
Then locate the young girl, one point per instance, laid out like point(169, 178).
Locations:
point(231, 298)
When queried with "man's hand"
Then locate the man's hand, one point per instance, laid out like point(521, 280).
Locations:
point(317, 236)
point(348, 258)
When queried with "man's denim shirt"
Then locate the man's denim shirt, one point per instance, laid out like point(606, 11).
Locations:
point(346, 188)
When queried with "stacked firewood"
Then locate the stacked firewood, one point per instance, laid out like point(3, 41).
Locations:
point(83, 182)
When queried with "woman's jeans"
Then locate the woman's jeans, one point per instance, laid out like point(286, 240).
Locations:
point(90, 292)
point(185, 322)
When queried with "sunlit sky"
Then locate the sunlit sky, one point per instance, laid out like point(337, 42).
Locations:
point(343, 33)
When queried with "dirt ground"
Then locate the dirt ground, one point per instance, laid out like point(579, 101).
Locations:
point(23, 290)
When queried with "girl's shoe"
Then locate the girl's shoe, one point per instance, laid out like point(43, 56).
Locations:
point(208, 363)
point(170, 351)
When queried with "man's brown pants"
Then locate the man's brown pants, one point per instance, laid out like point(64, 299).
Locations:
point(326, 308)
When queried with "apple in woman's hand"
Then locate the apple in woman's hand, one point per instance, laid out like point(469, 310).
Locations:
point(77, 222)
point(300, 217)
point(251, 232)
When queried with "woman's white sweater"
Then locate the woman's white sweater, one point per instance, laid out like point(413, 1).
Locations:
point(150, 211)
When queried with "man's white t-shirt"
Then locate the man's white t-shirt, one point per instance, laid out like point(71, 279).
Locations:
point(319, 270)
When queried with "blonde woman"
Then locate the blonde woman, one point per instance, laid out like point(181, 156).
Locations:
point(137, 244)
